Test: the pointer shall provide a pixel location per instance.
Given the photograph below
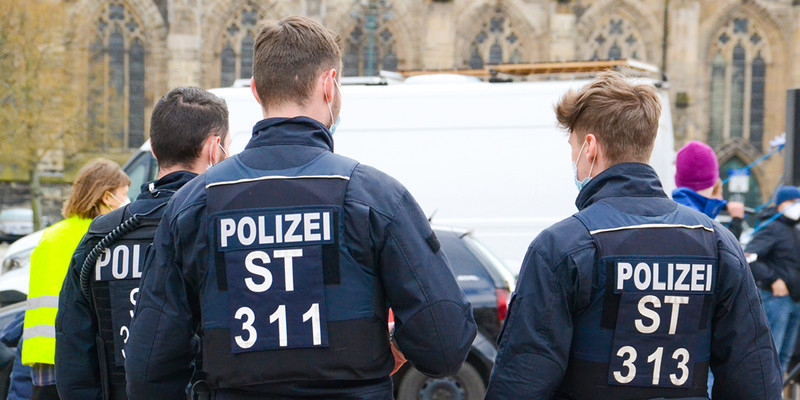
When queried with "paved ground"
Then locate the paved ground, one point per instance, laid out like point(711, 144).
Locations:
point(3, 248)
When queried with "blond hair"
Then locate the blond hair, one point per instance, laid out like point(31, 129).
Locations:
point(93, 181)
point(621, 114)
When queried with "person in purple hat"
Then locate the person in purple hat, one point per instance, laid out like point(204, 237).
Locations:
point(776, 269)
point(699, 186)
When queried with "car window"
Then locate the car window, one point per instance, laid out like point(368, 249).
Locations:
point(501, 274)
point(468, 269)
point(140, 171)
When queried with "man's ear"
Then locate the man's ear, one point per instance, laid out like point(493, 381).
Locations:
point(329, 85)
point(591, 146)
point(253, 89)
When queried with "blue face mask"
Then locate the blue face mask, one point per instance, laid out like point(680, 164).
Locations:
point(581, 184)
point(336, 124)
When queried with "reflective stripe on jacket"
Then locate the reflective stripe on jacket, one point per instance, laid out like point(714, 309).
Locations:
point(49, 264)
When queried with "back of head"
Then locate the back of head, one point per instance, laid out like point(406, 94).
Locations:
point(182, 120)
point(696, 166)
point(93, 180)
point(289, 56)
point(621, 114)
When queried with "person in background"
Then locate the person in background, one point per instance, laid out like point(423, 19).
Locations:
point(188, 134)
point(776, 269)
point(699, 186)
point(19, 386)
point(100, 187)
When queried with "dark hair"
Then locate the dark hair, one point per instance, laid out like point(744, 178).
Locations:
point(182, 120)
point(288, 57)
point(622, 114)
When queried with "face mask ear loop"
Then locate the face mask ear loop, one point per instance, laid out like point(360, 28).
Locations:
point(328, 102)
point(591, 168)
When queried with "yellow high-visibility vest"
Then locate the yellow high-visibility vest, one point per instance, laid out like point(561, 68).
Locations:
point(49, 264)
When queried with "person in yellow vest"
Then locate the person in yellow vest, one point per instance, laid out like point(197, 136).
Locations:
point(100, 187)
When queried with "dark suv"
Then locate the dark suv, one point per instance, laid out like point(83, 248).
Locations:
point(487, 284)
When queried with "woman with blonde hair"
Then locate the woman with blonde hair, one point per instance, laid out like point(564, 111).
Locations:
point(100, 187)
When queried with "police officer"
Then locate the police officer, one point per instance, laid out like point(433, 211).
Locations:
point(285, 258)
point(188, 133)
point(634, 296)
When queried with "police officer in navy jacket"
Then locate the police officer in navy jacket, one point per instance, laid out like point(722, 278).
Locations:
point(635, 296)
point(188, 133)
point(285, 258)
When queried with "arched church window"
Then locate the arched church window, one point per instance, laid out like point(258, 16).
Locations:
point(370, 47)
point(116, 78)
point(738, 76)
point(238, 38)
point(615, 39)
point(496, 43)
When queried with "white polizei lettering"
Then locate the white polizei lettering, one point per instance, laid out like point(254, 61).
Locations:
point(648, 313)
point(326, 226)
point(708, 277)
point(137, 271)
point(227, 227)
point(262, 237)
point(670, 282)
point(637, 273)
point(290, 236)
point(684, 268)
point(310, 226)
point(676, 302)
point(697, 275)
point(250, 237)
point(103, 261)
point(656, 284)
point(624, 272)
point(120, 265)
point(258, 270)
point(278, 229)
point(288, 266)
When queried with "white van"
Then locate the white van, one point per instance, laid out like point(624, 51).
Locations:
point(487, 157)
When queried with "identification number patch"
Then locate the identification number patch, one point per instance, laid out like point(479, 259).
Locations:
point(124, 295)
point(658, 337)
point(274, 267)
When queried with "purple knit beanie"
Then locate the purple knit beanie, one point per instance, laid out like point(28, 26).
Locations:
point(696, 166)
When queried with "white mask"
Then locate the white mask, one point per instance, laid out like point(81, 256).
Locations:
point(792, 212)
point(121, 204)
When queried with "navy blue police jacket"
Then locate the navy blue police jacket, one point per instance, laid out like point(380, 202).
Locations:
point(77, 357)
point(778, 248)
point(562, 294)
point(388, 253)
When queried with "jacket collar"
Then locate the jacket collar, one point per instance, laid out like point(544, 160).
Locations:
point(170, 182)
point(696, 201)
point(301, 131)
point(621, 180)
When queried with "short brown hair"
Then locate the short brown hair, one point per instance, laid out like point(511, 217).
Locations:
point(623, 115)
point(288, 57)
point(93, 181)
